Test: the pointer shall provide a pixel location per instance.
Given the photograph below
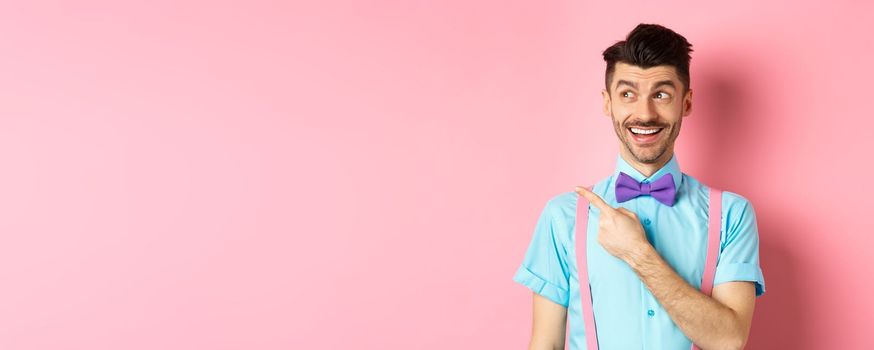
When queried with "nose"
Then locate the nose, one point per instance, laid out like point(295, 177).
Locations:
point(645, 110)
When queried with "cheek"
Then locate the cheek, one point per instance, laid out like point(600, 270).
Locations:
point(620, 110)
point(671, 111)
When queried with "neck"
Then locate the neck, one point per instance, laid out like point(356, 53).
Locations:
point(647, 169)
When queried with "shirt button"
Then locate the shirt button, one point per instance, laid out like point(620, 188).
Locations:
point(650, 313)
point(645, 182)
point(646, 221)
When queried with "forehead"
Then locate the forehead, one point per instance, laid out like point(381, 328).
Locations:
point(644, 77)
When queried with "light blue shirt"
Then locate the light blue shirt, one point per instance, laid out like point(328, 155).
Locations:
point(627, 314)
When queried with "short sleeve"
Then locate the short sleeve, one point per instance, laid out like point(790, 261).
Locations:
point(739, 251)
point(544, 269)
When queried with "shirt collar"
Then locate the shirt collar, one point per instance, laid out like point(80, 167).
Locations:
point(671, 167)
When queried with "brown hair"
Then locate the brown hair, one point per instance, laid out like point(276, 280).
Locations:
point(650, 45)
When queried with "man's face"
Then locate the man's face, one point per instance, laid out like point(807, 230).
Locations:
point(647, 107)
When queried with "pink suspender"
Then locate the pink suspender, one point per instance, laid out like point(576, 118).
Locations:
point(713, 228)
point(583, 272)
point(714, 215)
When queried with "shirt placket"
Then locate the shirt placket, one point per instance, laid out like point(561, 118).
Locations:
point(649, 305)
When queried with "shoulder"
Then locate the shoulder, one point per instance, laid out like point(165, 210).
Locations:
point(565, 203)
point(732, 202)
point(737, 211)
point(736, 204)
point(562, 207)
point(738, 214)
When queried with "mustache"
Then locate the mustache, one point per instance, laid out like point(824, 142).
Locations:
point(645, 125)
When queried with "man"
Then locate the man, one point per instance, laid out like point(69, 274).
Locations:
point(645, 265)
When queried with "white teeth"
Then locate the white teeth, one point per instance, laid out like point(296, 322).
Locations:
point(645, 132)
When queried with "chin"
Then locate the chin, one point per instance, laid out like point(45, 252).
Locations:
point(646, 160)
point(648, 155)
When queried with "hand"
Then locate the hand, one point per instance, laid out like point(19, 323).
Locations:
point(619, 230)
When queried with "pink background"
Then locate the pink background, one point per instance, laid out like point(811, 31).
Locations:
point(367, 175)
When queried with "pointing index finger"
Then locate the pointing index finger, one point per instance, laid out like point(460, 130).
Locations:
point(594, 198)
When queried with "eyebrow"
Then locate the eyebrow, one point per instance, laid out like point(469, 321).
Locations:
point(626, 82)
point(664, 83)
point(656, 86)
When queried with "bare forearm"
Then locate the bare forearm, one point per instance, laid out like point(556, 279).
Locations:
point(707, 322)
point(534, 345)
point(550, 323)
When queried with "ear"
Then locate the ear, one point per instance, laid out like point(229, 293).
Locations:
point(687, 103)
point(607, 107)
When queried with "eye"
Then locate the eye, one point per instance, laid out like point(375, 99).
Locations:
point(628, 94)
point(662, 95)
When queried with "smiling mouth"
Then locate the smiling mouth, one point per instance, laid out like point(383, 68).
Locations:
point(644, 135)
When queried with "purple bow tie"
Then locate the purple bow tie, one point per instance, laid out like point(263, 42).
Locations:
point(662, 190)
